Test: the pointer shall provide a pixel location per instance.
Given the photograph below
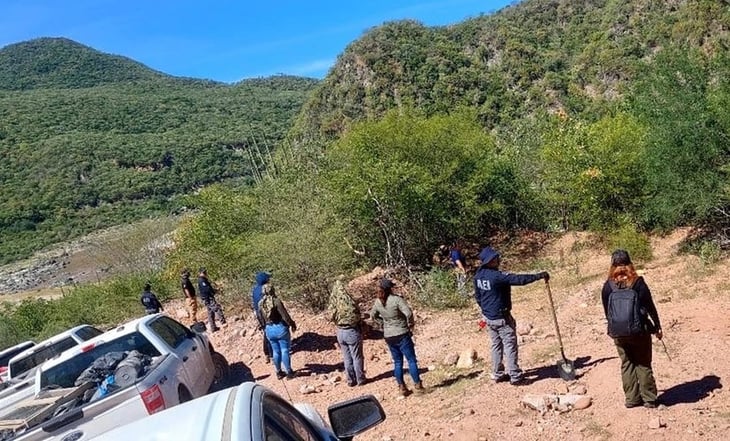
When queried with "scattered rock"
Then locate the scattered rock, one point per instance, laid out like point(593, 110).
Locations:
point(524, 328)
point(579, 389)
point(518, 424)
point(306, 389)
point(664, 300)
point(656, 423)
point(466, 359)
point(583, 402)
point(559, 403)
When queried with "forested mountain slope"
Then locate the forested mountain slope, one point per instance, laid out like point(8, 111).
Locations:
point(90, 140)
point(568, 56)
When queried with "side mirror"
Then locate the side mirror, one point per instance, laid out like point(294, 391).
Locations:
point(355, 416)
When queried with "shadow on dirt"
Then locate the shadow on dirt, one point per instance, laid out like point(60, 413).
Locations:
point(238, 373)
point(446, 382)
point(319, 368)
point(691, 391)
point(551, 370)
point(389, 374)
point(313, 342)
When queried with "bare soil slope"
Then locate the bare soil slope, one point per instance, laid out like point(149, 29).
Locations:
point(463, 404)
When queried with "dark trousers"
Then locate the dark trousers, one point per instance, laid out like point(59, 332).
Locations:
point(350, 341)
point(214, 312)
point(636, 373)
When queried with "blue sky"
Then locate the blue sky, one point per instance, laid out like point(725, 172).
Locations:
point(224, 40)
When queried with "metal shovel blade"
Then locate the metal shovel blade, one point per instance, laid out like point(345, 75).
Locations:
point(566, 370)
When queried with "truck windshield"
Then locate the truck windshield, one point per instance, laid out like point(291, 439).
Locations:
point(65, 374)
point(27, 365)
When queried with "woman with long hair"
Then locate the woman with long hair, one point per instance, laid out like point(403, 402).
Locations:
point(623, 292)
point(396, 318)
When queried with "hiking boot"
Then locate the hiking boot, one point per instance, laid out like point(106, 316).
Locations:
point(419, 388)
point(652, 404)
point(499, 377)
point(517, 381)
point(280, 375)
point(290, 375)
point(403, 390)
point(632, 405)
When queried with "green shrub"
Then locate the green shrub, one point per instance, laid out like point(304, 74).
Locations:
point(629, 238)
point(437, 289)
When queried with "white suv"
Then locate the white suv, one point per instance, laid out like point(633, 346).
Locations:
point(25, 363)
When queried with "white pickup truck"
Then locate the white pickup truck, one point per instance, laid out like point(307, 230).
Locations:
point(172, 364)
point(251, 412)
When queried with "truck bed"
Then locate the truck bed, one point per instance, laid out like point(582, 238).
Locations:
point(32, 411)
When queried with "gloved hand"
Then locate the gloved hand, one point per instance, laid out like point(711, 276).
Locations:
point(659, 334)
point(293, 327)
point(544, 275)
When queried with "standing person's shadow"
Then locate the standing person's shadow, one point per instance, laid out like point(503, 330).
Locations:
point(690, 391)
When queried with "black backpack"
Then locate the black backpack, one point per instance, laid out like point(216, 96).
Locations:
point(624, 312)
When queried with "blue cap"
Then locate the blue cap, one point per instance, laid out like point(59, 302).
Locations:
point(488, 254)
point(386, 283)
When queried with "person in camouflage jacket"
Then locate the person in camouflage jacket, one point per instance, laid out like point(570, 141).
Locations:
point(345, 313)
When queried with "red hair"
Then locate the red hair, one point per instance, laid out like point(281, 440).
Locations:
point(623, 275)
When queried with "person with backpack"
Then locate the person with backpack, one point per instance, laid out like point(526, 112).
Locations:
point(493, 293)
point(278, 329)
point(189, 292)
point(207, 295)
point(149, 300)
point(257, 292)
point(345, 313)
point(632, 317)
point(396, 318)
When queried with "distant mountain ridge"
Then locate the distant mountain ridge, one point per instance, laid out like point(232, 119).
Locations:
point(60, 63)
point(90, 140)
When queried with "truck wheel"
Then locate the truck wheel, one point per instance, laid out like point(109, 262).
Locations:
point(221, 368)
point(183, 394)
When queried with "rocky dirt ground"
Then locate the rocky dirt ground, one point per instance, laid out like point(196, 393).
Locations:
point(463, 404)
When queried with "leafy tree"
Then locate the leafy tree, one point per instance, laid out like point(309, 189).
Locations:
point(407, 182)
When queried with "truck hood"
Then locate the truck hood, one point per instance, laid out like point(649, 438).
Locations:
point(199, 419)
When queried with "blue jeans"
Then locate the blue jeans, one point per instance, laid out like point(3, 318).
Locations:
point(402, 346)
point(280, 339)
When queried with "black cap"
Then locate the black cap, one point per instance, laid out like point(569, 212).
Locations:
point(202, 270)
point(620, 257)
point(386, 284)
point(147, 286)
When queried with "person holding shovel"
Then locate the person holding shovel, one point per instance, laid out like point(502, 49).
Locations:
point(493, 293)
point(632, 317)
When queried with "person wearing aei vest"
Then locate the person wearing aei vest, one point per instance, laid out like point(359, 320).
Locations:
point(633, 349)
point(493, 293)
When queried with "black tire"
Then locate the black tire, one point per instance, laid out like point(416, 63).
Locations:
point(221, 368)
point(183, 394)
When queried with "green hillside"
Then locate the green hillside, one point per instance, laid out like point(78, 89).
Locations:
point(572, 56)
point(90, 140)
point(63, 63)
